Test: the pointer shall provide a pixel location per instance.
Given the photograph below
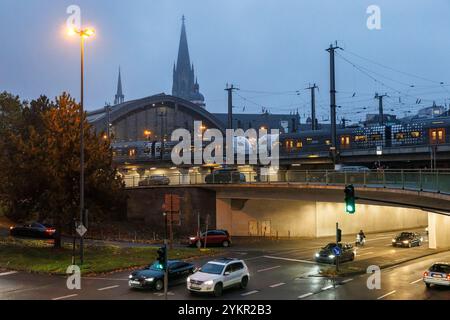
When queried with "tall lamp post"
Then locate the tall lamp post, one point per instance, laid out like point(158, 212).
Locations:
point(83, 34)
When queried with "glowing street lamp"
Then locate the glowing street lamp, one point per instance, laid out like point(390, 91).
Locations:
point(83, 34)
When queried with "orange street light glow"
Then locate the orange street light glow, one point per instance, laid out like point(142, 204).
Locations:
point(85, 33)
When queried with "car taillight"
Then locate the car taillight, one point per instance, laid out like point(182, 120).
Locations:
point(50, 230)
point(10, 228)
point(425, 274)
point(448, 277)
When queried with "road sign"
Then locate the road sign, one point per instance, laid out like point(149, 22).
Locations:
point(172, 202)
point(337, 251)
point(81, 229)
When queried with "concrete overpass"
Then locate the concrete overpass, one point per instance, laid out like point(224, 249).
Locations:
point(311, 209)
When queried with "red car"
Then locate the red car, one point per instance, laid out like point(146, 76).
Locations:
point(213, 238)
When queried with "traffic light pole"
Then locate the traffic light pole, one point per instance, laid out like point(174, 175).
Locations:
point(337, 243)
point(166, 268)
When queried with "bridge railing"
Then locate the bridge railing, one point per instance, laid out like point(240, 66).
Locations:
point(408, 179)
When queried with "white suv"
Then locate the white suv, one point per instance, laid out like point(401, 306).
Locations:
point(219, 274)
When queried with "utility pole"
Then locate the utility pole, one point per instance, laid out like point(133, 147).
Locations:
point(166, 275)
point(380, 107)
point(334, 146)
point(313, 106)
point(230, 105)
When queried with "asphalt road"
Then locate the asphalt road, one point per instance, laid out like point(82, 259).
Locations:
point(284, 272)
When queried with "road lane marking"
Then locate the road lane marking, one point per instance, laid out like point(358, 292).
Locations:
point(65, 297)
point(259, 257)
point(108, 288)
point(387, 294)
point(7, 273)
point(267, 269)
point(327, 287)
point(363, 254)
point(359, 249)
point(305, 295)
point(249, 293)
point(160, 294)
point(347, 280)
point(289, 259)
point(277, 285)
point(416, 281)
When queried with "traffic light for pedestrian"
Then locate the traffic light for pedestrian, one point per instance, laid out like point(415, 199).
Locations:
point(162, 255)
point(338, 235)
point(350, 206)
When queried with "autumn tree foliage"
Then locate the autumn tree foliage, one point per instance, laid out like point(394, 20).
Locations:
point(40, 161)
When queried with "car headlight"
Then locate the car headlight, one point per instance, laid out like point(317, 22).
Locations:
point(191, 238)
point(421, 239)
point(209, 283)
point(317, 255)
point(405, 241)
point(149, 279)
point(188, 279)
point(130, 276)
point(331, 256)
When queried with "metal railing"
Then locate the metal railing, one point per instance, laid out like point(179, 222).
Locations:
point(408, 179)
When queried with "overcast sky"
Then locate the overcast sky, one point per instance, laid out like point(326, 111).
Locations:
point(268, 48)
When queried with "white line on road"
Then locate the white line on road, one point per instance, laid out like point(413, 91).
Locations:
point(347, 280)
point(7, 273)
point(416, 281)
point(305, 295)
point(65, 297)
point(288, 259)
point(249, 293)
point(363, 254)
point(277, 285)
point(387, 294)
point(327, 287)
point(267, 269)
point(108, 288)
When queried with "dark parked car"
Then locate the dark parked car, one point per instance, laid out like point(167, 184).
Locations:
point(154, 181)
point(33, 230)
point(152, 277)
point(213, 238)
point(407, 239)
point(328, 255)
point(225, 176)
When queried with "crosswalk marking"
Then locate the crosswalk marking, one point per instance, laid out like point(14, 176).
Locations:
point(305, 295)
point(65, 297)
point(249, 293)
point(277, 285)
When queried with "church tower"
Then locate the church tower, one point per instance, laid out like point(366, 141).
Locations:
point(185, 84)
point(119, 98)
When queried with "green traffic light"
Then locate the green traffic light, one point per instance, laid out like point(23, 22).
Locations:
point(350, 209)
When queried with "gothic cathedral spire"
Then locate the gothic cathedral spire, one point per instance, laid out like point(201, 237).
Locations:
point(184, 84)
point(119, 98)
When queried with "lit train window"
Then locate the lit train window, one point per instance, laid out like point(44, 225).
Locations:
point(400, 136)
point(437, 135)
point(415, 134)
point(345, 141)
point(375, 137)
point(299, 144)
point(309, 140)
point(327, 142)
point(360, 138)
point(132, 152)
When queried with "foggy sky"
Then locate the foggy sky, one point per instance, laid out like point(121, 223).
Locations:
point(272, 47)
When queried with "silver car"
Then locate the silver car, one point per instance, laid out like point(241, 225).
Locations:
point(438, 274)
point(154, 181)
point(217, 275)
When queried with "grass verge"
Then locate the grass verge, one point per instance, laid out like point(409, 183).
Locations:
point(40, 257)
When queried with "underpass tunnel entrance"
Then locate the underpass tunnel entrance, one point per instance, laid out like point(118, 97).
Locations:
point(313, 219)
